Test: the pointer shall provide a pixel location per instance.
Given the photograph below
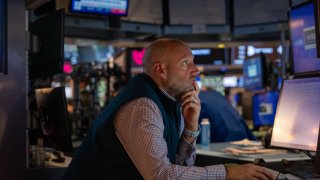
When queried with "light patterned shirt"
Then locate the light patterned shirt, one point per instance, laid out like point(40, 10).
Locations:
point(139, 127)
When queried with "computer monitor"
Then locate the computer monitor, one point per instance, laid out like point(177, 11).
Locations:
point(303, 39)
point(297, 121)
point(94, 53)
point(106, 7)
point(71, 53)
point(52, 113)
point(210, 56)
point(47, 49)
point(253, 73)
point(264, 108)
point(230, 81)
point(214, 82)
point(3, 37)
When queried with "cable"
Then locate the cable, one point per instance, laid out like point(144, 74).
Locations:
point(278, 175)
point(309, 155)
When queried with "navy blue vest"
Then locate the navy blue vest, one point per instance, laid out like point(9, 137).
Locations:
point(102, 156)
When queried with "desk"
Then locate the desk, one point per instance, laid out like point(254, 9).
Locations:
point(52, 170)
point(214, 154)
point(47, 173)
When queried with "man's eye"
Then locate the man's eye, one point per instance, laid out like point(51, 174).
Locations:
point(185, 62)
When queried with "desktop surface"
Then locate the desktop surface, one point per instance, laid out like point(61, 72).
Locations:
point(284, 161)
point(268, 155)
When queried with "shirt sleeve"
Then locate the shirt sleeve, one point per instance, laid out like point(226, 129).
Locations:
point(186, 154)
point(140, 128)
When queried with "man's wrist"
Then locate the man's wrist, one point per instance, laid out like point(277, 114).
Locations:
point(192, 133)
point(227, 172)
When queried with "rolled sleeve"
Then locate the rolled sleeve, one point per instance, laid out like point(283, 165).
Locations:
point(186, 153)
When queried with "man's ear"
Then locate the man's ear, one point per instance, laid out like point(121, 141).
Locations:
point(161, 70)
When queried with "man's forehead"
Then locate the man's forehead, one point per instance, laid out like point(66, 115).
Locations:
point(182, 52)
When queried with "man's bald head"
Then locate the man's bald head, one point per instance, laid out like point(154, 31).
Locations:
point(162, 51)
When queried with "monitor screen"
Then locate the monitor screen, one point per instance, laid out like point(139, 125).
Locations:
point(297, 119)
point(71, 53)
point(210, 56)
point(47, 52)
point(264, 108)
point(303, 39)
point(3, 37)
point(230, 81)
point(53, 116)
point(106, 7)
point(213, 82)
point(94, 53)
point(252, 73)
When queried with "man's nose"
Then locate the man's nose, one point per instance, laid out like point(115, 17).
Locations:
point(195, 70)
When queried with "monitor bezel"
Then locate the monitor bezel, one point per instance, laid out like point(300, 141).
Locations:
point(317, 25)
point(3, 37)
point(306, 73)
point(294, 148)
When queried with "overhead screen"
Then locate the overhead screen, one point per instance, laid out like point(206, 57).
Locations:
point(252, 12)
point(303, 39)
point(106, 7)
point(197, 12)
point(149, 11)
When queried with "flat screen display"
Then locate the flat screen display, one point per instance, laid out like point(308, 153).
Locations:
point(297, 119)
point(213, 82)
point(252, 73)
point(303, 39)
point(210, 56)
point(48, 35)
point(3, 37)
point(102, 7)
point(230, 81)
point(94, 53)
point(264, 108)
point(53, 117)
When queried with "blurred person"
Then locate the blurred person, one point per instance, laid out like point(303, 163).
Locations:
point(226, 124)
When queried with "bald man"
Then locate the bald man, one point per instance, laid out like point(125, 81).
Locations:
point(149, 130)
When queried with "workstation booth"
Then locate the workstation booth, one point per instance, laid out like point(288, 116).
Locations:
point(62, 62)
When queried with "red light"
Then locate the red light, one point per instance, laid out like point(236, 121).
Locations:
point(67, 68)
point(137, 56)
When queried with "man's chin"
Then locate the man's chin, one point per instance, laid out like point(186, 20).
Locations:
point(188, 89)
point(191, 88)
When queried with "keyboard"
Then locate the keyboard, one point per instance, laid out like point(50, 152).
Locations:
point(304, 171)
point(275, 174)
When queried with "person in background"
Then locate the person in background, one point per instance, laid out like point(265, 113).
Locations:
point(226, 124)
point(149, 130)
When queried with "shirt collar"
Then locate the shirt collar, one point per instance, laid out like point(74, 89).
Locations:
point(168, 95)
